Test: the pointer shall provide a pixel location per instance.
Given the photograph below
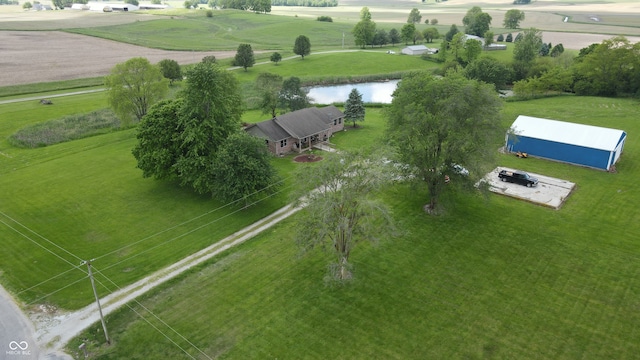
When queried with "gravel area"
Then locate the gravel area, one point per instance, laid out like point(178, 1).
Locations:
point(551, 192)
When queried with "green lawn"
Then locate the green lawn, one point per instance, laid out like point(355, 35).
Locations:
point(491, 278)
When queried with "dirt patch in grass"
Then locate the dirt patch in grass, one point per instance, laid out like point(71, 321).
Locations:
point(306, 158)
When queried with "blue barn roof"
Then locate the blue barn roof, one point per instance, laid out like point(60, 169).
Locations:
point(579, 144)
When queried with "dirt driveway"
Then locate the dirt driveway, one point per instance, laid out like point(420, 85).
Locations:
point(41, 56)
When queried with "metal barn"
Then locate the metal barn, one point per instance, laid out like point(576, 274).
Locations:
point(584, 145)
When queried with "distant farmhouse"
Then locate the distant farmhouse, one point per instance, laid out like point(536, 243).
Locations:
point(41, 7)
point(422, 49)
point(116, 6)
point(578, 144)
point(299, 130)
point(493, 46)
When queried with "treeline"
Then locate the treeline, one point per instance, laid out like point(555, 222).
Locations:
point(308, 3)
point(606, 69)
point(8, 2)
point(250, 5)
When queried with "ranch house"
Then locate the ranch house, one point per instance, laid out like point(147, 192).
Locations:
point(299, 130)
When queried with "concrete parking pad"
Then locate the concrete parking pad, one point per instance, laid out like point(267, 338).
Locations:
point(550, 191)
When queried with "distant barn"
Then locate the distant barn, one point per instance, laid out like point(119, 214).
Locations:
point(418, 50)
point(584, 145)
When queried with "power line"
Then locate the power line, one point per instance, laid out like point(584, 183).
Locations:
point(56, 291)
point(188, 221)
point(37, 243)
point(186, 233)
point(40, 236)
point(49, 279)
point(155, 316)
point(74, 267)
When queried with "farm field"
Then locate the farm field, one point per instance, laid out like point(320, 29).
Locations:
point(490, 278)
point(54, 56)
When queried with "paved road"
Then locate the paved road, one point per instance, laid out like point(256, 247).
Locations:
point(16, 331)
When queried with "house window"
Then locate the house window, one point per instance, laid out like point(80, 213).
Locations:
point(340, 121)
point(283, 143)
point(335, 121)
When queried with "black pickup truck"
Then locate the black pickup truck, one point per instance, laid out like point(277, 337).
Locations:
point(518, 177)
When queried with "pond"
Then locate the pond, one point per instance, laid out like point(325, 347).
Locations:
point(374, 92)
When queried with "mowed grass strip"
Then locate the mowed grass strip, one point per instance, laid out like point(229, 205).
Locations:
point(492, 277)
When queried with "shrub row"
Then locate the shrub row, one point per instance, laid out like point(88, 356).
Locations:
point(65, 129)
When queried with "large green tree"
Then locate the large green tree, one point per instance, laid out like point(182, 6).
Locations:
point(439, 124)
point(457, 47)
point(472, 50)
point(243, 169)
point(275, 58)
point(414, 16)
point(343, 209)
point(489, 70)
point(292, 96)
point(408, 32)
point(170, 70)
point(365, 14)
point(394, 36)
point(269, 86)
point(244, 56)
point(453, 30)
point(476, 21)
point(158, 148)
point(611, 68)
point(380, 38)
point(354, 107)
point(512, 19)
point(364, 33)
point(211, 113)
point(488, 38)
point(528, 47)
point(190, 129)
point(133, 86)
point(302, 46)
point(430, 34)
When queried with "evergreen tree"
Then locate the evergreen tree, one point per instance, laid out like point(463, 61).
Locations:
point(354, 107)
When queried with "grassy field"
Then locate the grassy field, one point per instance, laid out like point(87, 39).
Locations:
point(224, 31)
point(87, 196)
point(492, 278)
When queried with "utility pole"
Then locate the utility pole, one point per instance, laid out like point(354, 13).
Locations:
point(93, 285)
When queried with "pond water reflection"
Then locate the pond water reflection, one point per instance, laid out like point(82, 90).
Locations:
point(374, 92)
